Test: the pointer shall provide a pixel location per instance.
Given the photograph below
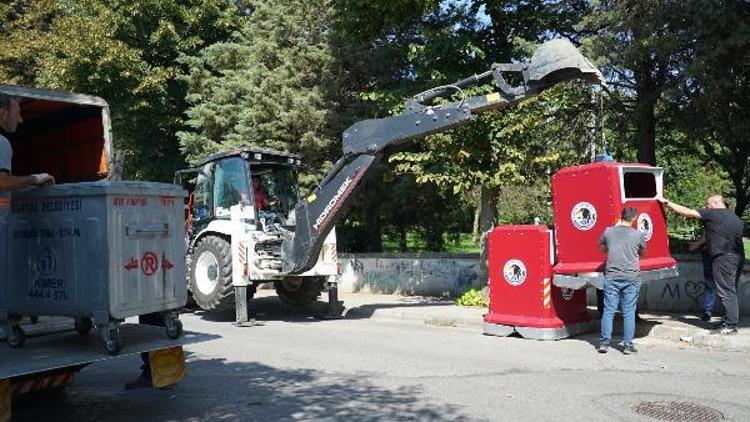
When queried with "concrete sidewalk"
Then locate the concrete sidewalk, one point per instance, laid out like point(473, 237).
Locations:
point(685, 329)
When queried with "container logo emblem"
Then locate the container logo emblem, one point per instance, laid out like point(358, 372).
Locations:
point(514, 272)
point(567, 294)
point(583, 216)
point(645, 226)
point(46, 261)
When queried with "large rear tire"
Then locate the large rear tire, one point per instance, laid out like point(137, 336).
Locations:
point(299, 291)
point(211, 274)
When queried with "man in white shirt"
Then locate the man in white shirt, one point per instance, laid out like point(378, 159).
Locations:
point(10, 118)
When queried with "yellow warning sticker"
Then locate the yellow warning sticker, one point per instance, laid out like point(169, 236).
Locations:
point(5, 399)
point(167, 366)
point(312, 198)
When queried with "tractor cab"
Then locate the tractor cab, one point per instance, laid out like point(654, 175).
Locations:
point(263, 182)
point(237, 212)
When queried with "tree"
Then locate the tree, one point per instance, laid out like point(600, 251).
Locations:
point(712, 106)
point(267, 87)
point(642, 47)
point(123, 51)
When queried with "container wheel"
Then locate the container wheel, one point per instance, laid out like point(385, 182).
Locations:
point(174, 328)
point(17, 337)
point(83, 326)
point(113, 344)
point(299, 291)
point(211, 274)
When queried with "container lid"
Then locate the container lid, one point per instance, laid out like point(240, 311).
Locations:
point(131, 188)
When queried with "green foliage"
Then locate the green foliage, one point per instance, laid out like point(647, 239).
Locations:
point(186, 78)
point(454, 242)
point(267, 87)
point(712, 106)
point(124, 51)
point(472, 297)
point(688, 180)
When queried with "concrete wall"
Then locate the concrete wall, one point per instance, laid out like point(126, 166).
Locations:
point(449, 275)
point(410, 274)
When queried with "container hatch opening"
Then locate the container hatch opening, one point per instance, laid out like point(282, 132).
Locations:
point(641, 183)
point(64, 134)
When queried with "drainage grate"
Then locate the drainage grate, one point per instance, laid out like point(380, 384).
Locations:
point(677, 411)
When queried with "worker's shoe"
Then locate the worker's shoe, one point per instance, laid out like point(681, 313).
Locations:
point(724, 331)
point(705, 317)
point(629, 349)
point(140, 382)
point(603, 348)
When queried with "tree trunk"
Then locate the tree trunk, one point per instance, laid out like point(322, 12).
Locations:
point(741, 194)
point(487, 220)
point(475, 227)
point(402, 239)
point(374, 241)
point(646, 122)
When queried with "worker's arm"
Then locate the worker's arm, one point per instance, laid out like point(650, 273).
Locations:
point(698, 244)
point(642, 247)
point(680, 209)
point(9, 182)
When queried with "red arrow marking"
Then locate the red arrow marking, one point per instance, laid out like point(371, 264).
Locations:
point(132, 264)
point(165, 263)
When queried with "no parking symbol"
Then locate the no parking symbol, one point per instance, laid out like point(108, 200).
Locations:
point(149, 263)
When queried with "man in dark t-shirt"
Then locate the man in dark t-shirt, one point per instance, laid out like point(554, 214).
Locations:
point(724, 245)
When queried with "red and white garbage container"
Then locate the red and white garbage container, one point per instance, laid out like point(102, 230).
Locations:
point(522, 296)
point(589, 198)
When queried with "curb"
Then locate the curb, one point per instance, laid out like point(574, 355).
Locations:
point(698, 338)
point(702, 339)
point(473, 322)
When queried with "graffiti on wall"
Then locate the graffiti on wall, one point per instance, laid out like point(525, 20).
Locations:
point(685, 293)
point(440, 276)
point(422, 276)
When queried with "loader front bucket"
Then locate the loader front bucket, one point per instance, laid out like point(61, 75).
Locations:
point(558, 61)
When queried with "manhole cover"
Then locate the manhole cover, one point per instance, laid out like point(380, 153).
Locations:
point(678, 411)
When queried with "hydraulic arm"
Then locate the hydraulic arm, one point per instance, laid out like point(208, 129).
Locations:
point(366, 142)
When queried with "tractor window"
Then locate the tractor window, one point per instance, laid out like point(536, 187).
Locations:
point(202, 203)
point(279, 186)
point(231, 185)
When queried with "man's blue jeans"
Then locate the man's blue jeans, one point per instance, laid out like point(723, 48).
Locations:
point(616, 291)
point(709, 292)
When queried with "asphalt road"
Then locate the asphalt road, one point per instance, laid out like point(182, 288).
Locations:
point(290, 367)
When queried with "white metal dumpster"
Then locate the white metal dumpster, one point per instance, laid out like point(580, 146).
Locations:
point(99, 252)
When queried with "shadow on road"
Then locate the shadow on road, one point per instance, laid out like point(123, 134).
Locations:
point(270, 308)
point(216, 390)
point(367, 311)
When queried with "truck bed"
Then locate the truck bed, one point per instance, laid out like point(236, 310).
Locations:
point(64, 347)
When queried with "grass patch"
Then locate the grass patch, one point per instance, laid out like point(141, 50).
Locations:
point(453, 243)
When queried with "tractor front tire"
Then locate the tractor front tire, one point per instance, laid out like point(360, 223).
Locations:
point(211, 274)
point(299, 291)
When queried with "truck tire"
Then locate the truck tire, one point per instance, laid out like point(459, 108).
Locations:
point(211, 274)
point(299, 291)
